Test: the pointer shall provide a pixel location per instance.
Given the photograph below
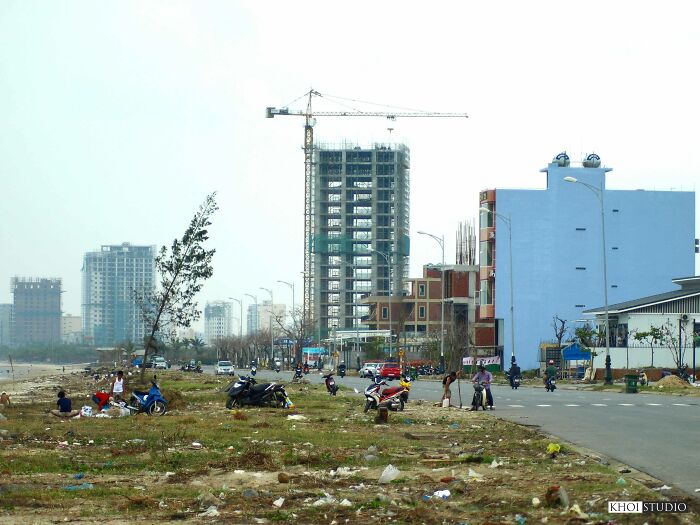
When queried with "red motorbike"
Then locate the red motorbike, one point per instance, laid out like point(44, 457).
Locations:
point(393, 397)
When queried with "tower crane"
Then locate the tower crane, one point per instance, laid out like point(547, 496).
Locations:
point(310, 116)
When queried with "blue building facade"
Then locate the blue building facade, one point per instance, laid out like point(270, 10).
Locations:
point(557, 252)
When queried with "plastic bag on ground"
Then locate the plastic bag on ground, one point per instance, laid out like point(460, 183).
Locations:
point(390, 474)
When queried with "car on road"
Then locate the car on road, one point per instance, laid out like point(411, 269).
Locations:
point(157, 362)
point(390, 370)
point(224, 368)
point(369, 369)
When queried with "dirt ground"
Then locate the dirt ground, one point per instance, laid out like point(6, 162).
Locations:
point(202, 463)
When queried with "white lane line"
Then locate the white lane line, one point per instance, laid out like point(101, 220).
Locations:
point(572, 405)
point(654, 404)
point(626, 404)
point(681, 404)
point(544, 405)
point(516, 406)
point(599, 404)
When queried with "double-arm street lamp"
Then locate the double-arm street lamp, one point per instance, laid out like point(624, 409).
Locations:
point(599, 193)
point(272, 307)
point(506, 220)
point(441, 241)
point(391, 289)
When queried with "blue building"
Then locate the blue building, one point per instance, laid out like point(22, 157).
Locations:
point(557, 252)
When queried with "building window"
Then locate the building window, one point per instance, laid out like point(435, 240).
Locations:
point(421, 312)
point(486, 253)
point(486, 217)
point(421, 290)
point(385, 312)
point(486, 292)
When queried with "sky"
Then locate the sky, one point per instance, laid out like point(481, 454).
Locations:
point(118, 118)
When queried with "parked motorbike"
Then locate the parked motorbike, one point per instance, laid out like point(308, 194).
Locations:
point(394, 398)
point(152, 402)
point(245, 391)
point(479, 400)
point(331, 387)
point(191, 368)
point(550, 385)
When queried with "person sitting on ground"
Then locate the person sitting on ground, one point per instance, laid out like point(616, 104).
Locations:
point(485, 377)
point(5, 399)
point(64, 407)
point(101, 399)
point(446, 382)
point(118, 386)
point(513, 372)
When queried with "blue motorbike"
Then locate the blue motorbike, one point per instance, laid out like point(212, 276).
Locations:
point(152, 402)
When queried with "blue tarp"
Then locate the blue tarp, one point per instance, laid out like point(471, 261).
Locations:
point(574, 352)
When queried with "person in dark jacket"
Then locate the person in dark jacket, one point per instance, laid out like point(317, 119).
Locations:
point(64, 406)
point(513, 373)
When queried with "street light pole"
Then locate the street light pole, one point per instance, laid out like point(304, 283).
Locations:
point(599, 193)
point(257, 319)
point(391, 289)
point(507, 221)
point(441, 241)
point(240, 320)
point(272, 306)
point(291, 285)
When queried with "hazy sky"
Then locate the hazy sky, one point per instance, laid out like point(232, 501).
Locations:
point(117, 118)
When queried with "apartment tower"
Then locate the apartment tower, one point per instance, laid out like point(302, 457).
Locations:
point(36, 310)
point(110, 276)
point(360, 230)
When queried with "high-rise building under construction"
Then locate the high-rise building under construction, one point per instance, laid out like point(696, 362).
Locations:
point(359, 229)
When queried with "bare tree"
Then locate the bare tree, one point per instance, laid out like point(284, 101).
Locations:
point(298, 329)
point(182, 271)
point(560, 329)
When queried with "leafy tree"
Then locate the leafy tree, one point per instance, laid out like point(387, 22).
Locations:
point(182, 271)
point(674, 337)
point(374, 349)
point(589, 338)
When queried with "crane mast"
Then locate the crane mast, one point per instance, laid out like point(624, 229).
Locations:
point(310, 121)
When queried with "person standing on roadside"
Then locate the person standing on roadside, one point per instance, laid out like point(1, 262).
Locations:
point(446, 382)
point(118, 387)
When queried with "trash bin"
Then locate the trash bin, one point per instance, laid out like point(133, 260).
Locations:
point(631, 380)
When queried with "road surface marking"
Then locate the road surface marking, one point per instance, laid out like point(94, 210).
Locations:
point(572, 405)
point(626, 404)
point(599, 404)
point(654, 404)
point(544, 405)
point(516, 406)
point(681, 404)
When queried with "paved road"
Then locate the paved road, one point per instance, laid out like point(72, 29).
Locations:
point(652, 433)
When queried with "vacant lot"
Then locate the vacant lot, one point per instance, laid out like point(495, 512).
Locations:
point(203, 463)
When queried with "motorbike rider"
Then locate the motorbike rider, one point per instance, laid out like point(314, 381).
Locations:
point(341, 369)
point(513, 373)
point(297, 371)
point(306, 367)
point(485, 377)
point(550, 372)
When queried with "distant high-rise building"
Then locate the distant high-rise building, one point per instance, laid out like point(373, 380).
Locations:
point(110, 276)
point(36, 310)
point(252, 321)
point(359, 231)
point(218, 321)
point(270, 313)
point(71, 329)
point(5, 324)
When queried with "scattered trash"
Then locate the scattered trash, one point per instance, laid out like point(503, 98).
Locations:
point(162, 505)
point(278, 502)
point(553, 449)
point(662, 487)
point(296, 417)
point(83, 486)
point(136, 441)
point(326, 500)
point(408, 421)
point(371, 457)
point(79, 475)
point(343, 472)
point(495, 464)
point(211, 512)
point(357, 392)
point(250, 493)
point(536, 502)
point(520, 519)
point(474, 474)
point(345, 503)
point(556, 495)
point(624, 471)
point(620, 481)
point(453, 426)
point(447, 479)
point(390, 474)
point(372, 449)
point(575, 509)
point(196, 445)
point(443, 494)
point(283, 477)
